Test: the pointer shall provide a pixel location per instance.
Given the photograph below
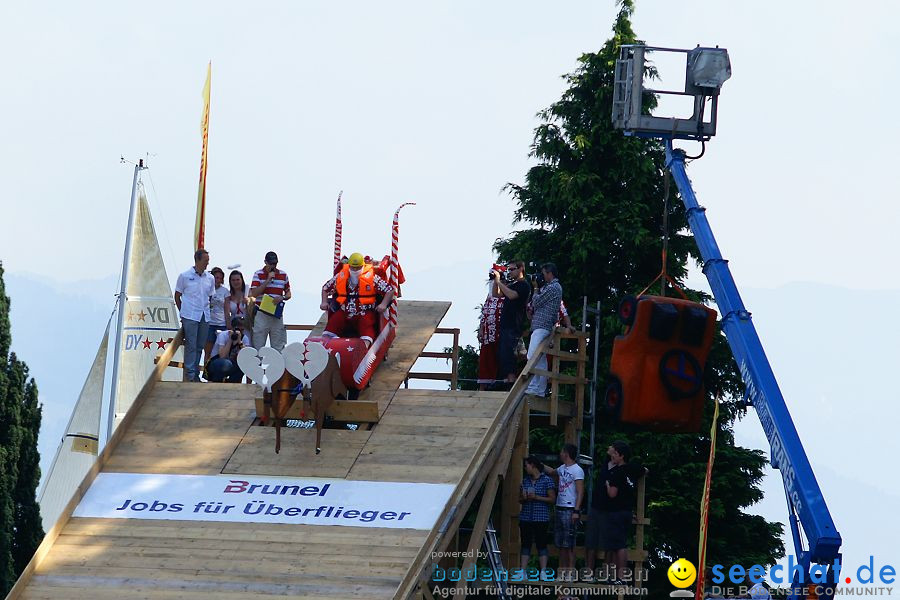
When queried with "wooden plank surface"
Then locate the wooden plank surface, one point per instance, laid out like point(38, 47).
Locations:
point(255, 455)
point(99, 558)
point(185, 428)
point(352, 411)
point(416, 323)
point(426, 436)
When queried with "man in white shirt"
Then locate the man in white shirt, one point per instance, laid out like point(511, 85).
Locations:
point(569, 497)
point(223, 366)
point(192, 293)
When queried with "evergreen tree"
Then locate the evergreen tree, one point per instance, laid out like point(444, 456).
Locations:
point(595, 204)
point(20, 414)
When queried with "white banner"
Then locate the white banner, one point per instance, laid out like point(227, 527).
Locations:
point(241, 499)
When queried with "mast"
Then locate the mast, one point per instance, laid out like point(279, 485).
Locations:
point(120, 318)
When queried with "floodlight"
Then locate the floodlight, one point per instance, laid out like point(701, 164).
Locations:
point(708, 67)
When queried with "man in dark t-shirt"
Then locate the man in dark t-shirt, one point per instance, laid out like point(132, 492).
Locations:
point(612, 507)
point(517, 291)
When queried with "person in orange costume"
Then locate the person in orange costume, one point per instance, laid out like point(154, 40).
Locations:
point(355, 289)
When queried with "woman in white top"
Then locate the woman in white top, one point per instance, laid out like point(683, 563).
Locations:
point(216, 310)
point(236, 301)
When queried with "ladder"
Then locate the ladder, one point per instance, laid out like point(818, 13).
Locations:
point(492, 550)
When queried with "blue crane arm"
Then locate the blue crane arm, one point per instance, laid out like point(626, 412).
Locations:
point(787, 454)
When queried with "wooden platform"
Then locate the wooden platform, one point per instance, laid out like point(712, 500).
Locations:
point(183, 428)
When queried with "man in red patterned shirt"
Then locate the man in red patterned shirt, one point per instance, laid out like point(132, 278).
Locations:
point(355, 288)
point(272, 282)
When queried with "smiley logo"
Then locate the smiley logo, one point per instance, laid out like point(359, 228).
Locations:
point(682, 573)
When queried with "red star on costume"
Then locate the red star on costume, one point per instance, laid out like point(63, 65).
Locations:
point(160, 344)
point(146, 344)
point(141, 315)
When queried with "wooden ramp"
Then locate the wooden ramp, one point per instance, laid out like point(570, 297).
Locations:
point(423, 436)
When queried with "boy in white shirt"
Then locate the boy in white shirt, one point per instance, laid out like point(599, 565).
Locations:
point(569, 497)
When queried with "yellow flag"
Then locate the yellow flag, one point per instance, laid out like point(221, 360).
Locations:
point(200, 223)
point(704, 505)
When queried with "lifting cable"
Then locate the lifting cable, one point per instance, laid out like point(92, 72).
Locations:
point(664, 276)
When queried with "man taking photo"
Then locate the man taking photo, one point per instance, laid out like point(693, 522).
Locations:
point(512, 320)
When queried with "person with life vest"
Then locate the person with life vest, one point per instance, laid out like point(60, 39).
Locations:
point(355, 289)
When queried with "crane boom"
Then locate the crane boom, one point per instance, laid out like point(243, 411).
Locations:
point(805, 500)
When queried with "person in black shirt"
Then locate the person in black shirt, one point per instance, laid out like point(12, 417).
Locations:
point(612, 507)
point(517, 292)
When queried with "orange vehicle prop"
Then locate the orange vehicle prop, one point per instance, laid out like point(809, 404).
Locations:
point(656, 372)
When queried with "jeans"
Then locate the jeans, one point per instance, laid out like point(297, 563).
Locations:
point(506, 352)
point(538, 384)
point(222, 369)
point(195, 334)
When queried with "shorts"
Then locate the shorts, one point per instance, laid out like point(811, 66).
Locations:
point(608, 531)
point(564, 528)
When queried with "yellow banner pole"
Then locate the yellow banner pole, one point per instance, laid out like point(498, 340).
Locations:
point(704, 506)
point(200, 223)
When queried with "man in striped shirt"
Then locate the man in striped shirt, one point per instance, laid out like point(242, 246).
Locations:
point(546, 303)
point(272, 282)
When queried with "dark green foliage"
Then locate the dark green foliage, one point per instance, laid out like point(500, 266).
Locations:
point(20, 416)
point(595, 202)
point(468, 368)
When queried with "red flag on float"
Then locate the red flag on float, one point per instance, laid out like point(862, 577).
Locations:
point(704, 507)
point(395, 267)
point(338, 230)
point(200, 223)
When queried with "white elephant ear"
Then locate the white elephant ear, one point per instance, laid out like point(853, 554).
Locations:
point(293, 359)
point(264, 366)
point(273, 364)
point(316, 359)
point(251, 364)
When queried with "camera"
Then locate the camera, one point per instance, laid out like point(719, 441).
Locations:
point(235, 336)
point(536, 278)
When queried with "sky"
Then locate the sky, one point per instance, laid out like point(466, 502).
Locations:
point(435, 103)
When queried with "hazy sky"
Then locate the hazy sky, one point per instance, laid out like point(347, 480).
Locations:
point(435, 103)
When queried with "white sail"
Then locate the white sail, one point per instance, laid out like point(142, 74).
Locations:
point(151, 318)
point(78, 449)
point(150, 323)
